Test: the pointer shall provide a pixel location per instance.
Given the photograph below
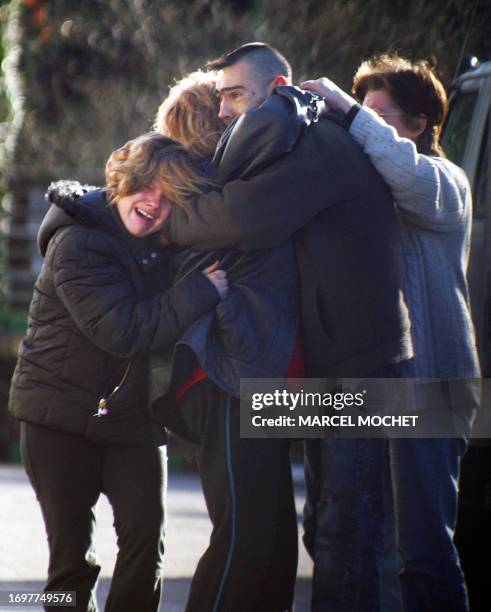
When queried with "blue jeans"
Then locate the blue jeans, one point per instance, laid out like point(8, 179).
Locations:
point(344, 522)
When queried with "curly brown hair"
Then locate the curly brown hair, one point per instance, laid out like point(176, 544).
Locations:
point(154, 159)
point(414, 87)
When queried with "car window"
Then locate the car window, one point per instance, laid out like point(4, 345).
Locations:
point(457, 127)
point(482, 178)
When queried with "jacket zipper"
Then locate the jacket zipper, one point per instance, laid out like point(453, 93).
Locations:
point(102, 409)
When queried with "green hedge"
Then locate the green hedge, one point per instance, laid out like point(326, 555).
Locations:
point(11, 322)
point(94, 72)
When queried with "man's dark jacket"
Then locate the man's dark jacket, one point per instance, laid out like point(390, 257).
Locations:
point(101, 303)
point(309, 179)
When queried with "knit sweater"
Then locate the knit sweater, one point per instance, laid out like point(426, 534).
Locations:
point(434, 201)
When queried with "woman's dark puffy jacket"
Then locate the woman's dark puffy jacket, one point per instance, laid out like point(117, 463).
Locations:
point(101, 303)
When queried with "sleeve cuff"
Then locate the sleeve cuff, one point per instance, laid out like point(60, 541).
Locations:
point(350, 115)
point(202, 291)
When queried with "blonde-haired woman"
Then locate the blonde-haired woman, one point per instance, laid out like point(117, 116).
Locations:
point(101, 303)
point(189, 114)
point(251, 560)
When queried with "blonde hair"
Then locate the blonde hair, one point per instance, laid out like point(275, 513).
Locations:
point(154, 160)
point(189, 114)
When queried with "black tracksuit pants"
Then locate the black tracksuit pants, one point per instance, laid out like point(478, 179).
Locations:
point(68, 474)
point(250, 564)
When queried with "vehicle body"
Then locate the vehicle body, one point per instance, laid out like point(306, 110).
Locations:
point(467, 142)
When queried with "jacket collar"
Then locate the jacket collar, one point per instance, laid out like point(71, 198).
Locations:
point(266, 133)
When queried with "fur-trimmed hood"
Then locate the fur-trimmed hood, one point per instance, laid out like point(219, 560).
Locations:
point(71, 203)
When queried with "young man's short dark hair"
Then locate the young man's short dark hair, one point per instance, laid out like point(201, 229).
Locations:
point(267, 61)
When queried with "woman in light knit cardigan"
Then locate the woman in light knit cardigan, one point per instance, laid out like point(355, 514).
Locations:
point(398, 126)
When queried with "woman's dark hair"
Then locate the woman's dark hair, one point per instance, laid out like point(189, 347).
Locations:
point(414, 87)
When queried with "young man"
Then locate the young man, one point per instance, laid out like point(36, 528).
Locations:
point(328, 196)
point(247, 77)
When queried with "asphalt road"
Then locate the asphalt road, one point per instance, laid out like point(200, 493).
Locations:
point(23, 549)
